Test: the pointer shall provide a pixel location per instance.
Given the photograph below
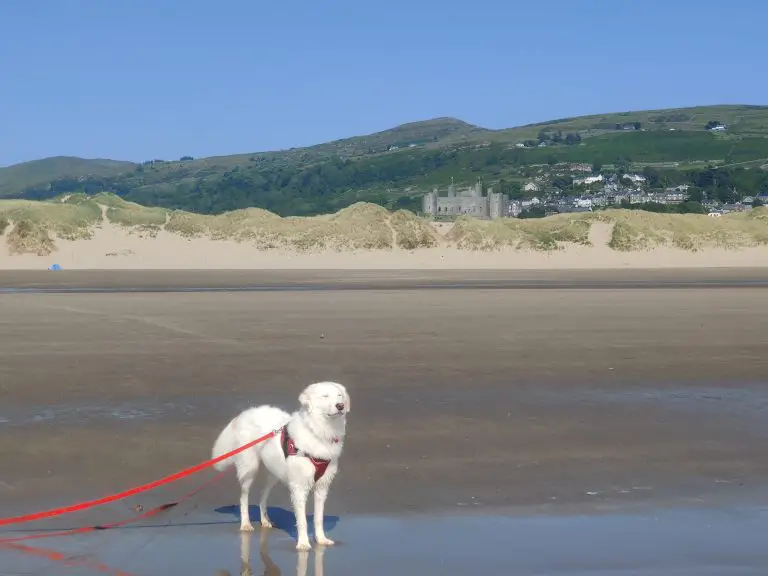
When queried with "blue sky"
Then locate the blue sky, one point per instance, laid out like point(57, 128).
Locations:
point(142, 79)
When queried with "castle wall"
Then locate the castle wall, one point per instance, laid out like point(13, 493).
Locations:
point(470, 202)
point(460, 205)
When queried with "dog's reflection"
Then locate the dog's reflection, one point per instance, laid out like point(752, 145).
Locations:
point(270, 568)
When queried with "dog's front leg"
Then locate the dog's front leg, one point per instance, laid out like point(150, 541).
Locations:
point(321, 493)
point(299, 500)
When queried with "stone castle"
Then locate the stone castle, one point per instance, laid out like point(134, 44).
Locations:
point(470, 202)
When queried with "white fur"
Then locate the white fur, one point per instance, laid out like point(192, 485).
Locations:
point(313, 428)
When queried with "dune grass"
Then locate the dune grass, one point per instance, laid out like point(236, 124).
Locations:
point(33, 227)
point(237, 225)
point(631, 230)
point(124, 213)
point(29, 237)
point(412, 232)
point(361, 226)
point(36, 224)
point(637, 230)
point(535, 234)
point(67, 220)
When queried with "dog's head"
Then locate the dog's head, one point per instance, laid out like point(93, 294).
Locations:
point(327, 398)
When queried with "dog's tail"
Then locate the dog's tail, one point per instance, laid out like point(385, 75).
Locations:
point(226, 442)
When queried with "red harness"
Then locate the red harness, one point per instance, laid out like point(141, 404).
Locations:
point(290, 449)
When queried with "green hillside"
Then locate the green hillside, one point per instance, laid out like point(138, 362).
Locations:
point(394, 167)
point(18, 177)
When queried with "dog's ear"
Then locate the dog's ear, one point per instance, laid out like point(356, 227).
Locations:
point(305, 399)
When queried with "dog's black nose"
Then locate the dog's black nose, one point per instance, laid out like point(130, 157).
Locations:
point(339, 406)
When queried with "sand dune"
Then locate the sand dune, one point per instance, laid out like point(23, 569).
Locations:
point(105, 232)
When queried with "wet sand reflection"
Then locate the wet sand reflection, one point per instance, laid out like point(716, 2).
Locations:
point(270, 567)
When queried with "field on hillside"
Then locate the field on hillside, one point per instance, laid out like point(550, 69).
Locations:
point(35, 227)
point(742, 120)
point(655, 147)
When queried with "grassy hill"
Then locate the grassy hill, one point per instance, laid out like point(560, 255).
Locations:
point(41, 172)
point(394, 167)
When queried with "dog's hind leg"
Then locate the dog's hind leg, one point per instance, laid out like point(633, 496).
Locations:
point(268, 485)
point(245, 488)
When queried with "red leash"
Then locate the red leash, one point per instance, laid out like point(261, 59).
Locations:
point(144, 515)
point(56, 556)
point(133, 491)
point(69, 561)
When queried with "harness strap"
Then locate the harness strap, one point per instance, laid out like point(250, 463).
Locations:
point(290, 449)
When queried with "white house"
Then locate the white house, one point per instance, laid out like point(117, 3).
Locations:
point(531, 187)
point(588, 179)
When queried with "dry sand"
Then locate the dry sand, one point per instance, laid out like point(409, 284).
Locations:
point(117, 247)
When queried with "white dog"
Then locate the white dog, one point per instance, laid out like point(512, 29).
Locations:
point(303, 454)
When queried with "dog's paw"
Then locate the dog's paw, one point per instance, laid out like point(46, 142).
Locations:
point(303, 546)
point(265, 523)
point(246, 527)
point(325, 541)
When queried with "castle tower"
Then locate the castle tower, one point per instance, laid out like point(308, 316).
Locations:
point(487, 204)
point(429, 203)
point(497, 204)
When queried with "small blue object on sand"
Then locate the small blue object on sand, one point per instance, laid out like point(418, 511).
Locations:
point(54, 267)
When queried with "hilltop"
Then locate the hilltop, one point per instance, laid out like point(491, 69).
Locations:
point(394, 167)
point(42, 172)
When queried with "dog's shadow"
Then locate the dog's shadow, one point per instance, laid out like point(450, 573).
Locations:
point(281, 518)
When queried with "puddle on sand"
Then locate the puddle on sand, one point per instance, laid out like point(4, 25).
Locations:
point(747, 401)
point(744, 402)
point(127, 411)
point(21, 416)
point(665, 543)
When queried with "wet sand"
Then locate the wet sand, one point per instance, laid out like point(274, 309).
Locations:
point(666, 543)
point(68, 281)
point(592, 396)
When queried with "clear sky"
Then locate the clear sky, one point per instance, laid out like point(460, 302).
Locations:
point(142, 79)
